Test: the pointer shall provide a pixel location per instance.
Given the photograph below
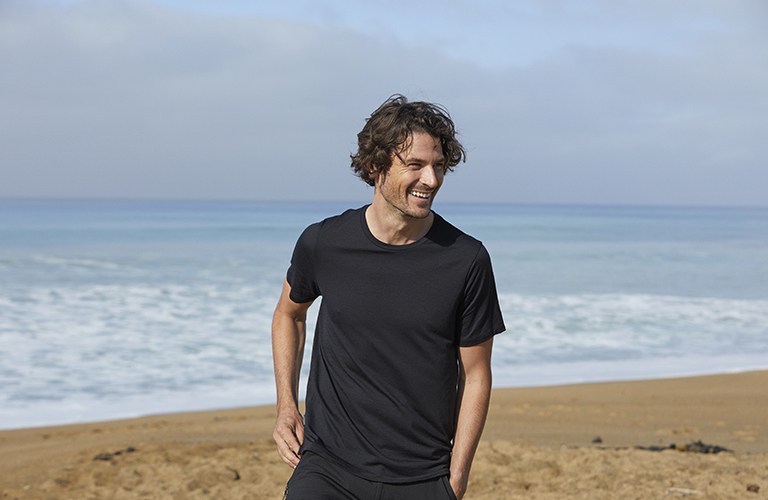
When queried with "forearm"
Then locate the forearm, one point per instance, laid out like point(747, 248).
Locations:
point(288, 336)
point(474, 398)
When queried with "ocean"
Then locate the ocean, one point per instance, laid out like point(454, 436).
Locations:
point(112, 309)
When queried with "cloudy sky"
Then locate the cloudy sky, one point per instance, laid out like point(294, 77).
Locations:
point(604, 102)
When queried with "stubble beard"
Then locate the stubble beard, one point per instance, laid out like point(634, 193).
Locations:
point(402, 205)
point(413, 214)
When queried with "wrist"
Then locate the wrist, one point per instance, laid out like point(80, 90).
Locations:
point(287, 406)
point(459, 485)
point(459, 477)
point(458, 468)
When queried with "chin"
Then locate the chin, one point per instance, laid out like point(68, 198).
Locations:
point(421, 213)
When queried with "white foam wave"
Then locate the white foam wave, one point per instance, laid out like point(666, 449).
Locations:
point(618, 326)
point(124, 341)
point(149, 349)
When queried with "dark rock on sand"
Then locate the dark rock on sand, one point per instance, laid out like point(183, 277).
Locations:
point(693, 447)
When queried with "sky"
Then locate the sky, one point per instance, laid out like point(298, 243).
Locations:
point(586, 102)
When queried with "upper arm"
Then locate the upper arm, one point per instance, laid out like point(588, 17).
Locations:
point(476, 359)
point(480, 312)
point(297, 311)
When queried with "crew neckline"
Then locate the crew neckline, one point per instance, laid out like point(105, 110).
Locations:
point(387, 246)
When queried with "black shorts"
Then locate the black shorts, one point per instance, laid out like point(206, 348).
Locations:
point(316, 478)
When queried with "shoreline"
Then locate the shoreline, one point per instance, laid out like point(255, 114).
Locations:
point(539, 442)
point(546, 381)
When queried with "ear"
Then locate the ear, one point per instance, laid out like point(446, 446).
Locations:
point(375, 174)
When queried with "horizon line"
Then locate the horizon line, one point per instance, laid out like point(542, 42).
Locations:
point(596, 204)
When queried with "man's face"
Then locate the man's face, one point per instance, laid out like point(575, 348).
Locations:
point(416, 174)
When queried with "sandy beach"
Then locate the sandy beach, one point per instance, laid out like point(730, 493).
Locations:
point(578, 441)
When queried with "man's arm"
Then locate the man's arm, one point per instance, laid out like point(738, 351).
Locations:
point(288, 335)
point(473, 400)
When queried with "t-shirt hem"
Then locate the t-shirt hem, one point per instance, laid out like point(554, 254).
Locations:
point(442, 471)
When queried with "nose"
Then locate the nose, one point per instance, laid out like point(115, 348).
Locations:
point(430, 176)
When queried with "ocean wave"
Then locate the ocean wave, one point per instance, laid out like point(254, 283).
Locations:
point(550, 328)
point(116, 343)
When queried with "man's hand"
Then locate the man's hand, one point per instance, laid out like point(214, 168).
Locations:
point(289, 435)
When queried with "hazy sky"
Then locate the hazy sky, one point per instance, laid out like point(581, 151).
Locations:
point(652, 102)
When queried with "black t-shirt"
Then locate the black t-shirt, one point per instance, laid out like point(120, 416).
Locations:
point(381, 396)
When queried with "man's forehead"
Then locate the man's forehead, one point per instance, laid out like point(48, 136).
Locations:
point(409, 148)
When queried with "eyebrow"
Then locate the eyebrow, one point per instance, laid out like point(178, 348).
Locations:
point(416, 159)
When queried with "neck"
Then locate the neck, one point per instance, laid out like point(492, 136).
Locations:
point(393, 227)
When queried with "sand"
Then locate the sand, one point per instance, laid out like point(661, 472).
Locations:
point(539, 443)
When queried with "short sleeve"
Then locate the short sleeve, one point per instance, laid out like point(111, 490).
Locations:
point(480, 313)
point(302, 272)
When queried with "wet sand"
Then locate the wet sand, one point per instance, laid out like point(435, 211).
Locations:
point(575, 441)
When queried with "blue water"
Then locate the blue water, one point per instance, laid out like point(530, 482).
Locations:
point(119, 308)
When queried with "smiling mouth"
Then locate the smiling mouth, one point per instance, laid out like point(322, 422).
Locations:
point(420, 194)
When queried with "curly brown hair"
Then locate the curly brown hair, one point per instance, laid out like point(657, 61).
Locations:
point(390, 129)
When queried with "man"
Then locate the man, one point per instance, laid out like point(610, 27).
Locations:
point(400, 376)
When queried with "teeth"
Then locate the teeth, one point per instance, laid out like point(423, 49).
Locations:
point(418, 194)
